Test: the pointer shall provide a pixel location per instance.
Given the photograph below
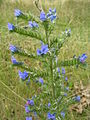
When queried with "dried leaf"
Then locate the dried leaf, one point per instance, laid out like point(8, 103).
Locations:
point(84, 93)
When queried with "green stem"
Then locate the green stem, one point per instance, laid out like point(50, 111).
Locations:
point(52, 79)
point(47, 38)
point(46, 25)
point(46, 35)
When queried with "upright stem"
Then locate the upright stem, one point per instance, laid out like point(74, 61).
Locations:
point(46, 32)
point(47, 37)
point(51, 58)
point(46, 24)
point(52, 79)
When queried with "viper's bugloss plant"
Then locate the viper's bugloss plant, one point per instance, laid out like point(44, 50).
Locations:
point(51, 100)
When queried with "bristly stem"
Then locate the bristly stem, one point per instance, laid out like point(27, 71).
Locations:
point(51, 58)
point(46, 24)
point(52, 79)
point(47, 38)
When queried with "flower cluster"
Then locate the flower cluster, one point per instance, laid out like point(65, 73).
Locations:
point(30, 103)
point(50, 15)
point(83, 58)
point(33, 24)
point(44, 49)
point(51, 116)
point(17, 12)
point(23, 75)
point(63, 71)
point(28, 118)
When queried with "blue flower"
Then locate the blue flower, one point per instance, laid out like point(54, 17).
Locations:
point(15, 62)
point(41, 81)
point(44, 49)
point(63, 71)
point(51, 116)
point(28, 118)
point(11, 27)
point(23, 75)
point(65, 94)
point(63, 114)
point(66, 79)
point(83, 58)
point(13, 48)
point(52, 14)
point(27, 109)
point(17, 12)
point(39, 52)
point(58, 69)
point(67, 88)
point(53, 17)
point(49, 104)
point(35, 114)
point(42, 16)
point(77, 98)
point(33, 24)
point(30, 102)
point(52, 11)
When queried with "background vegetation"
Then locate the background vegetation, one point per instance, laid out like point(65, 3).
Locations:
point(72, 14)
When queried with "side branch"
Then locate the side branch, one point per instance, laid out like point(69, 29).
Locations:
point(72, 62)
point(29, 33)
point(33, 72)
point(29, 16)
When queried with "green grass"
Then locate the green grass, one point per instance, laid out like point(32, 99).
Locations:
point(72, 14)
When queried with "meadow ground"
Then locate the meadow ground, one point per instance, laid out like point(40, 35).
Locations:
point(72, 14)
